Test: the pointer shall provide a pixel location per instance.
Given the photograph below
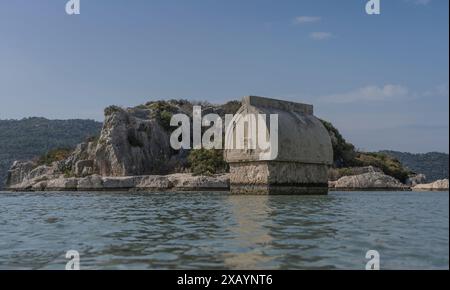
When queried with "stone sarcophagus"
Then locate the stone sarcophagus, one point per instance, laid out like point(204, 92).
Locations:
point(277, 147)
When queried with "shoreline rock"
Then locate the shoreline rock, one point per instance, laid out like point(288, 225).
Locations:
point(172, 182)
point(374, 181)
point(49, 178)
point(368, 181)
point(438, 185)
point(416, 180)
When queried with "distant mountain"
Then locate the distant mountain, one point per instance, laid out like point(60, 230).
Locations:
point(434, 164)
point(27, 138)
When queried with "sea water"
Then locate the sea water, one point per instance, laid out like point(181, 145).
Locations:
point(409, 230)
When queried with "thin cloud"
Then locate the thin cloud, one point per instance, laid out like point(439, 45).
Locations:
point(306, 19)
point(440, 91)
point(419, 2)
point(321, 35)
point(369, 94)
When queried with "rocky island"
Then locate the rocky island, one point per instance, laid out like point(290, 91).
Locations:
point(133, 152)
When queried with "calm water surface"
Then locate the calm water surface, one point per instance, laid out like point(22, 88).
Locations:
point(410, 230)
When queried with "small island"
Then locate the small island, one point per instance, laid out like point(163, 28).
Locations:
point(133, 153)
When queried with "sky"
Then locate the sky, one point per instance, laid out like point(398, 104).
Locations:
point(382, 80)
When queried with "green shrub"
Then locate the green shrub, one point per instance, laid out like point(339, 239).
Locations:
point(207, 162)
point(162, 111)
point(387, 164)
point(343, 153)
point(160, 106)
point(142, 107)
point(54, 155)
point(68, 173)
point(231, 107)
point(164, 119)
point(111, 109)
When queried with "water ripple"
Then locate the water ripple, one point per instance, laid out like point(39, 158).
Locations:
point(219, 231)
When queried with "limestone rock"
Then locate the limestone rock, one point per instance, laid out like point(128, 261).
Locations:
point(188, 181)
point(19, 171)
point(42, 171)
point(129, 145)
point(154, 182)
point(369, 181)
point(336, 173)
point(94, 182)
point(416, 179)
point(26, 174)
point(84, 167)
point(83, 153)
point(61, 184)
point(118, 183)
point(177, 182)
point(439, 185)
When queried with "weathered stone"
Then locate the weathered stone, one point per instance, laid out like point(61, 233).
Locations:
point(439, 185)
point(336, 173)
point(129, 145)
point(26, 174)
point(190, 182)
point(181, 182)
point(40, 171)
point(154, 182)
point(369, 181)
point(62, 184)
point(18, 172)
point(120, 183)
point(84, 167)
point(87, 171)
point(416, 179)
point(331, 184)
point(304, 152)
point(39, 186)
point(93, 182)
point(83, 152)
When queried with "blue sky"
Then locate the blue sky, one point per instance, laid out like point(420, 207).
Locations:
point(381, 79)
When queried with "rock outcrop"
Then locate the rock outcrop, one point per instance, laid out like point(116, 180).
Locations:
point(25, 173)
point(133, 142)
point(368, 181)
point(416, 179)
point(19, 172)
point(439, 185)
point(336, 173)
point(172, 182)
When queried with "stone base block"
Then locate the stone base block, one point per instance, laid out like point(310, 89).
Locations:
point(278, 178)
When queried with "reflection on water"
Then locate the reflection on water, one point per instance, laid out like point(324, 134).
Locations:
point(410, 230)
point(251, 232)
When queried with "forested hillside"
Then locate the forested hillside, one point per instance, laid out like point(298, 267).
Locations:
point(434, 164)
point(27, 138)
